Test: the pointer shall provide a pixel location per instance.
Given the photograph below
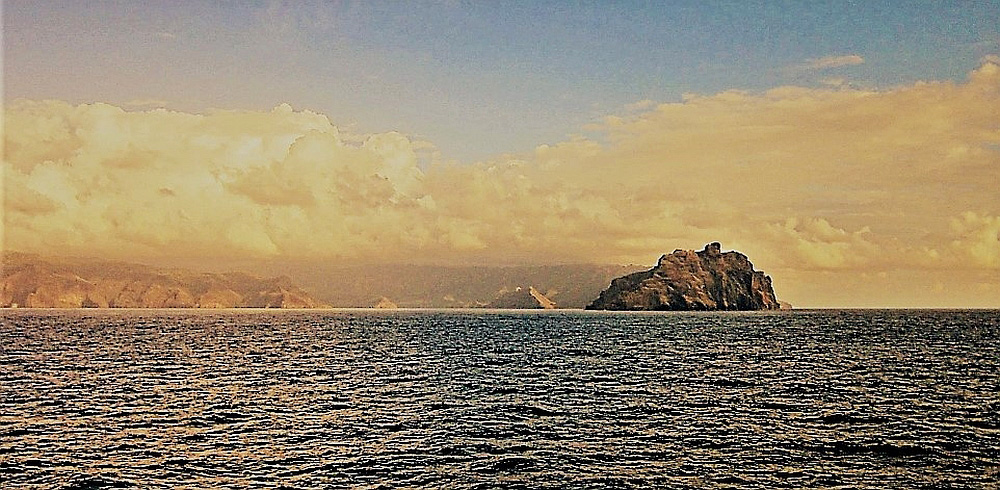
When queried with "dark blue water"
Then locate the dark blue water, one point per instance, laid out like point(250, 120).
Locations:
point(831, 399)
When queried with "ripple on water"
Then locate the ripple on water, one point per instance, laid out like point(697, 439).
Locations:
point(140, 399)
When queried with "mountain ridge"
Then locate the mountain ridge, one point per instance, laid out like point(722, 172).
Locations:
point(69, 282)
point(33, 281)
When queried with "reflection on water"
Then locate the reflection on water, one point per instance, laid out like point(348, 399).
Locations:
point(160, 399)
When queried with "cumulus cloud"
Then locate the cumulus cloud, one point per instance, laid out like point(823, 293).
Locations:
point(978, 238)
point(814, 184)
point(813, 242)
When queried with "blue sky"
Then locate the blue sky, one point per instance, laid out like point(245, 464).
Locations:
point(475, 78)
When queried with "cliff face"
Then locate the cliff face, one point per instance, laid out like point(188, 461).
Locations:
point(687, 280)
point(29, 281)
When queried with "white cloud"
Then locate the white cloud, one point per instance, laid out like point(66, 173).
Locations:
point(977, 239)
point(832, 62)
point(146, 103)
point(641, 105)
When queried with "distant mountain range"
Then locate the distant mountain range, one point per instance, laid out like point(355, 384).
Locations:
point(29, 280)
point(430, 286)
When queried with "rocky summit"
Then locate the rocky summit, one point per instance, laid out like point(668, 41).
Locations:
point(708, 279)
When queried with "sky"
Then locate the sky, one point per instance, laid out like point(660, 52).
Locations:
point(850, 149)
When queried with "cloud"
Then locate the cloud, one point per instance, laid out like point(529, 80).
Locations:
point(814, 243)
point(146, 103)
point(23, 199)
point(832, 62)
point(817, 185)
point(641, 105)
point(977, 238)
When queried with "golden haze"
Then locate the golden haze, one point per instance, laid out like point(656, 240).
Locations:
point(846, 196)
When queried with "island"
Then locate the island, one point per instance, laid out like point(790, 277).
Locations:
point(708, 279)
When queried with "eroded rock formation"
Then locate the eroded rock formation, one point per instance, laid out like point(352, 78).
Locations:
point(708, 279)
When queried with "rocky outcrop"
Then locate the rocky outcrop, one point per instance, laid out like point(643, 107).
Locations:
point(30, 281)
point(687, 280)
point(522, 298)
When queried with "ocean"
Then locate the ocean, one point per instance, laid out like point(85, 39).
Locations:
point(499, 399)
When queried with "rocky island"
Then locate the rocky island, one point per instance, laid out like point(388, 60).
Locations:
point(708, 279)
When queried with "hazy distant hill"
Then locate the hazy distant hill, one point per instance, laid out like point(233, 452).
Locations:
point(522, 298)
point(35, 282)
point(32, 281)
point(427, 286)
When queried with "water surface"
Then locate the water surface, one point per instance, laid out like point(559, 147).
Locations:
point(459, 399)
